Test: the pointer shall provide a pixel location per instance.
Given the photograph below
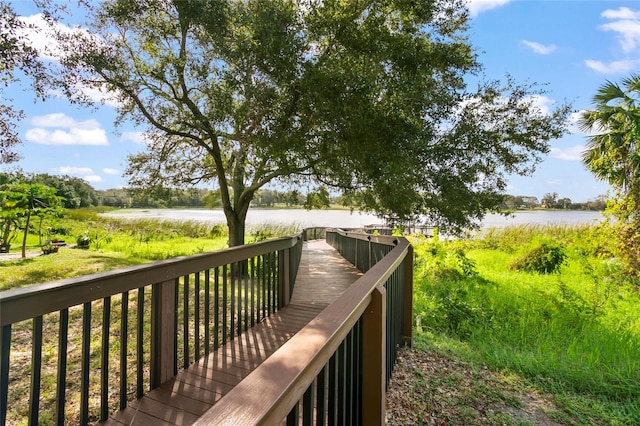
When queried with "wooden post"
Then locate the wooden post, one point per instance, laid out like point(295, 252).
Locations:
point(284, 279)
point(374, 359)
point(407, 329)
point(163, 350)
point(370, 254)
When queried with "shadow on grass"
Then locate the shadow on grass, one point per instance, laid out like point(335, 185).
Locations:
point(42, 269)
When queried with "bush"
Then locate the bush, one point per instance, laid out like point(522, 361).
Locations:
point(218, 230)
point(543, 259)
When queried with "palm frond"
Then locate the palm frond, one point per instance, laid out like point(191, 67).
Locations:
point(610, 94)
point(632, 83)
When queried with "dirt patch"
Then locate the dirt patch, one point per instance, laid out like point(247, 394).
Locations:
point(18, 255)
point(430, 389)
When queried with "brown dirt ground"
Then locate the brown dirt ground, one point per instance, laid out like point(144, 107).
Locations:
point(430, 389)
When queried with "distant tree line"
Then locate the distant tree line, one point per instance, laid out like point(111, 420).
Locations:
point(551, 200)
point(77, 193)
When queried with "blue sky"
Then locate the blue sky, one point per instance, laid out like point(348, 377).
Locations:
point(573, 46)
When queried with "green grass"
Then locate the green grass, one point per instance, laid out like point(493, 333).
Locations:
point(67, 263)
point(575, 333)
point(117, 243)
point(114, 244)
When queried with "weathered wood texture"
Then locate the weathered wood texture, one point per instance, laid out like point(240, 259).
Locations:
point(323, 276)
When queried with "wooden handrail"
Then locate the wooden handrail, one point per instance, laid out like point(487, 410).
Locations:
point(284, 377)
point(170, 290)
point(30, 302)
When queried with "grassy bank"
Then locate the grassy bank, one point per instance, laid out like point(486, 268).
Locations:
point(116, 243)
point(574, 333)
point(572, 336)
point(113, 244)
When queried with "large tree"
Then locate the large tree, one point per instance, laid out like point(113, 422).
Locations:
point(612, 155)
point(17, 59)
point(370, 97)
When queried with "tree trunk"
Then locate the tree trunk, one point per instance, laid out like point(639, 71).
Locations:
point(237, 225)
point(236, 230)
point(24, 238)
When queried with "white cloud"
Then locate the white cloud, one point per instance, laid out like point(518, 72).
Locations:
point(615, 67)
point(71, 137)
point(99, 95)
point(41, 35)
point(628, 32)
point(574, 125)
point(543, 103)
point(109, 171)
point(573, 153)
point(75, 171)
point(63, 120)
point(67, 131)
point(478, 6)
point(625, 24)
point(85, 173)
point(574, 122)
point(539, 48)
point(622, 13)
point(137, 137)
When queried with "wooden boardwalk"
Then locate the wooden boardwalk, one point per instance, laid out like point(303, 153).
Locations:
point(322, 277)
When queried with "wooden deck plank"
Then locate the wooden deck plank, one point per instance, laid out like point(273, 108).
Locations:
point(174, 399)
point(190, 391)
point(322, 277)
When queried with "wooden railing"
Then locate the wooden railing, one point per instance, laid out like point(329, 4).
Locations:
point(321, 375)
point(97, 341)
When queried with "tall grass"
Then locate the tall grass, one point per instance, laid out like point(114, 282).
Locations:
point(575, 332)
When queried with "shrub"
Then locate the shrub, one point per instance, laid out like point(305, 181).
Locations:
point(218, 230)
point(543, 259)
point(83, 241)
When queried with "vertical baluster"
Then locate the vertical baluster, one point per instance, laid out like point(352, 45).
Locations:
point(104, 364)
point(245, 311)
point(332, 394)
point(274, 282)
point(234, 272)
point(307, 405)
point(185, 322)
point(154, 370)
point(196, 315)
point(36, 371)
point(216, 318)
point(349, 377)
point(239, 296)
point(4, 371)
point(389, 328)
point(342, 383)
point(259, 290)
point(61, 387)
point(124, 343)
point(224, 304)
point(269, 267)
point(253, 292)
point(86, 352)
point(140, 344)
point(207, 307)
point(321, 398)
point(359, 372)
point(294, 415)
point(176, 316)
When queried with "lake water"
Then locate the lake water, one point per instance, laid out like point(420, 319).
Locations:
point(346, 219)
